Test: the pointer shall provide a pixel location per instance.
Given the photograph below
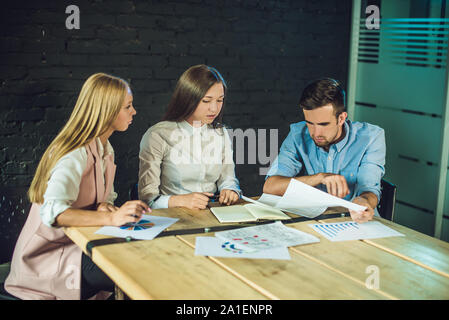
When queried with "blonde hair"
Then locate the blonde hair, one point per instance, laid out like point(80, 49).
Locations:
point(98, 105)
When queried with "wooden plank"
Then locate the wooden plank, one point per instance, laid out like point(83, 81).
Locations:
point(82, 235)
point(114, 262)
point(166, 268)
point(189, 219)
point(356, 259)
point(426, 251)
point(299, 278)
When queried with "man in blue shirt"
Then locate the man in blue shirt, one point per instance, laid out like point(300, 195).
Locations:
point(330, 152)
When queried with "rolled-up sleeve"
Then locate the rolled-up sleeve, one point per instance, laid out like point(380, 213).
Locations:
point(372, 166)
point(287, 163)
point(160, 203)
point(63, 185)
point(150, 159)
point(227, 179)
point(112, 196)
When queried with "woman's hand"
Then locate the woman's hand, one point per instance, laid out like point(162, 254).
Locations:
point(228, 197)
point(130, 211)
point(194, 200)
point(106, 207)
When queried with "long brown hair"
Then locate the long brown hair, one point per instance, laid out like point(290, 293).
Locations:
point(97, 107)
point(192, 86)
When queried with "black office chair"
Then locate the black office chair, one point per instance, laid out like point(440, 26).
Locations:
point(133, 192)
point(14, 208)
point(387, 200)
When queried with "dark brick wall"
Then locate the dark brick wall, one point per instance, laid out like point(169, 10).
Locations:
point(266, 50)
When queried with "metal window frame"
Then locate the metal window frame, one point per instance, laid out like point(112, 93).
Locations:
point(351, 89)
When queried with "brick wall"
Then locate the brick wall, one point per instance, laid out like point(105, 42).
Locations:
point(266, 50)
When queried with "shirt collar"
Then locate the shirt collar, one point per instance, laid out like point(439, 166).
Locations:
point(190, 129)
point(101, 151)
point(340, 145)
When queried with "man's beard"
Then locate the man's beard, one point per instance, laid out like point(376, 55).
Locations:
point(327, 142)
point(323, 143)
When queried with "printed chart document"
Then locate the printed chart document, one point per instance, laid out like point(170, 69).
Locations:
point(349, 230)
point(146, 229)
point(304, 200)
point(247, 212)
point(216, 247)
point(266, 236)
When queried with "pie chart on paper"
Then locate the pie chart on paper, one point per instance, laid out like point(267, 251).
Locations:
point(146, 229)
point(138, 226)
point(230, 247)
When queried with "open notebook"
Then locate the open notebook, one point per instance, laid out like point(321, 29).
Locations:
point(247, 212)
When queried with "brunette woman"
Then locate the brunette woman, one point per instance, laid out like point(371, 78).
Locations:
point(187, 158)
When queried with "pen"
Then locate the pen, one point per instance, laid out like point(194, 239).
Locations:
point(214, 198)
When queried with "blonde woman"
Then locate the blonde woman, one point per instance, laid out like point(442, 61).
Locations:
point(73, 186)
point(187, 158)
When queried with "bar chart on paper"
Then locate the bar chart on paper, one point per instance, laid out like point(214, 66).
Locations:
point(349, 230)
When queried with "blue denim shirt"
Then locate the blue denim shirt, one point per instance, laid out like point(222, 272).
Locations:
point(359, 157)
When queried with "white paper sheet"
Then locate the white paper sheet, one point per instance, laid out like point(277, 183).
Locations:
point(349, 230)
point(304, 200)
point(266, 236)
point(146, 229)
point(308, 201)
point(269, 199)
point(259, 203)
point(215, 247)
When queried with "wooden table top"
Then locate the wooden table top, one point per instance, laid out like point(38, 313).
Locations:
point(412, 267)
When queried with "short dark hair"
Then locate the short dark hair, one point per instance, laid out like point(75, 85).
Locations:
point(323, 92)
point(192, 86)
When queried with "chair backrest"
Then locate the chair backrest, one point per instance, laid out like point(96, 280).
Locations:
point(14, 209)
point(387, 200)
point(133, 192)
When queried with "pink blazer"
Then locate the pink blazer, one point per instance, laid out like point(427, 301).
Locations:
point(46, 264)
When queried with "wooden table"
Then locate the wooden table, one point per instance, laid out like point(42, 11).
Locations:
point(412, 267)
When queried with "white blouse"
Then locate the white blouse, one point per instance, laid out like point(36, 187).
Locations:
point(176, 158)
point(65, 178)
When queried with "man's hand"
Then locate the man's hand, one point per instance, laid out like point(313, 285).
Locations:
point(362, 216)
point(336, 184)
